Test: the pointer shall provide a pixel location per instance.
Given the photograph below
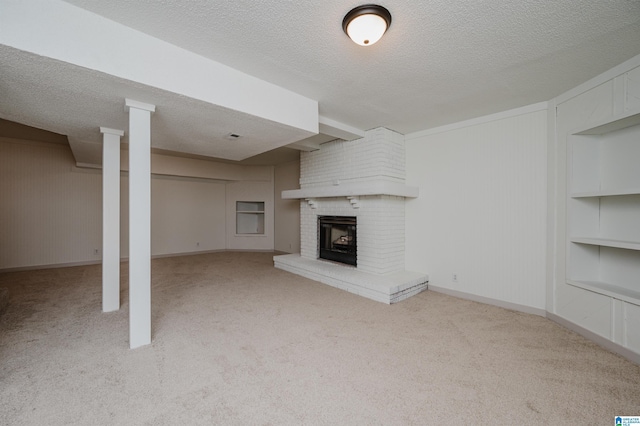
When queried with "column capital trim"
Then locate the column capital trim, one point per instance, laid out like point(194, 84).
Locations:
point(109, 131)
point(130, 103)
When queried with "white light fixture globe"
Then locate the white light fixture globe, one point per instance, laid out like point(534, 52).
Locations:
point(366, 24)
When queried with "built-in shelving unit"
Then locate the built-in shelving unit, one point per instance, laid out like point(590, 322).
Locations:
point(249, 217)
point(604, 207)
point(604, 242)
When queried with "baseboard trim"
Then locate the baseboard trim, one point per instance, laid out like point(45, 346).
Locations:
point(250, 250)
point(188, 253)
point(489, 301)
point(122, 260)
point(50, 266)
point(596, 338)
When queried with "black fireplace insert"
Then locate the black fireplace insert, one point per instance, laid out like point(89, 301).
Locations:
point(337, 239)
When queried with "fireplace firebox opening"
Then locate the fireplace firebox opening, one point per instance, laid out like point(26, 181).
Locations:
point(337, 239)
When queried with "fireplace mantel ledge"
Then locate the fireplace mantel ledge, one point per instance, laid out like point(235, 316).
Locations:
point(353, 189)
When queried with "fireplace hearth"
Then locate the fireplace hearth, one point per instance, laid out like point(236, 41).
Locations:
point(337, 239)
point(349, 181)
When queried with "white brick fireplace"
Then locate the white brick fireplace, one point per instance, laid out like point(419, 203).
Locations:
point(365, 179)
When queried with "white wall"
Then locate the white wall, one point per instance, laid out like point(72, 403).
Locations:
point(287, 217)
point(481, 212)
point(51, 210)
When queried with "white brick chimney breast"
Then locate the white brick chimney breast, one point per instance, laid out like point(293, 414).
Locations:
point(363, 178)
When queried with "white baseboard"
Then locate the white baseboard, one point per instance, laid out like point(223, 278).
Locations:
point(489, 301)
point(122, 260)
point(188, 253)
point(596, 338)
point(50, 266)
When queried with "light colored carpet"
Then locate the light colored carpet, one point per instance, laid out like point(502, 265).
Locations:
point(236, 341)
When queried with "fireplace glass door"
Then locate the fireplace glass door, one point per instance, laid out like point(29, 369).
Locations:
point(337, 238)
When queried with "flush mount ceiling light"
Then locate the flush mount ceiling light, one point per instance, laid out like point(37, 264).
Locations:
point(366, 24)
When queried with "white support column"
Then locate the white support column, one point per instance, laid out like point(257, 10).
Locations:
point(139, 222)
point(111, 219)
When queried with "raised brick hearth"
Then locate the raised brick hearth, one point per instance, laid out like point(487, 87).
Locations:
point(362, 178)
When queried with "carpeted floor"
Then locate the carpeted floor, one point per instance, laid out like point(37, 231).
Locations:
point(236, 341)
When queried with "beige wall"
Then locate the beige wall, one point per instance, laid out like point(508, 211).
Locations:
point(287, 218)
point(187, 215)
point(51, 210)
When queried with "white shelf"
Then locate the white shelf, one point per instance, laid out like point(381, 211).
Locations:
point(353, 189)
point(619, 122)
point(249, 217)
point(628, 245)
point(606, 193)
point(603, 207)
point(610, 290)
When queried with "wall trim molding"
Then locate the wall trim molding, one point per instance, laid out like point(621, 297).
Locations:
point(589, 335)
point(124, 260)
point(600, 79)
point(540, 106)
point(50, 266)
point(489, 301)
point(187, 253)
point(596, 338)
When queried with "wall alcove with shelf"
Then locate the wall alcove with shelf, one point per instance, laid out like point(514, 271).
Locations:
point(250, 217)
point(604, 207)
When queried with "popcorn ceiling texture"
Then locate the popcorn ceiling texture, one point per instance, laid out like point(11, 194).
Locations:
point(85, 100)
point(439, 63)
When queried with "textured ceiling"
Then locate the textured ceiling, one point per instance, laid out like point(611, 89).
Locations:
point(70, 100)
point(439, 63)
